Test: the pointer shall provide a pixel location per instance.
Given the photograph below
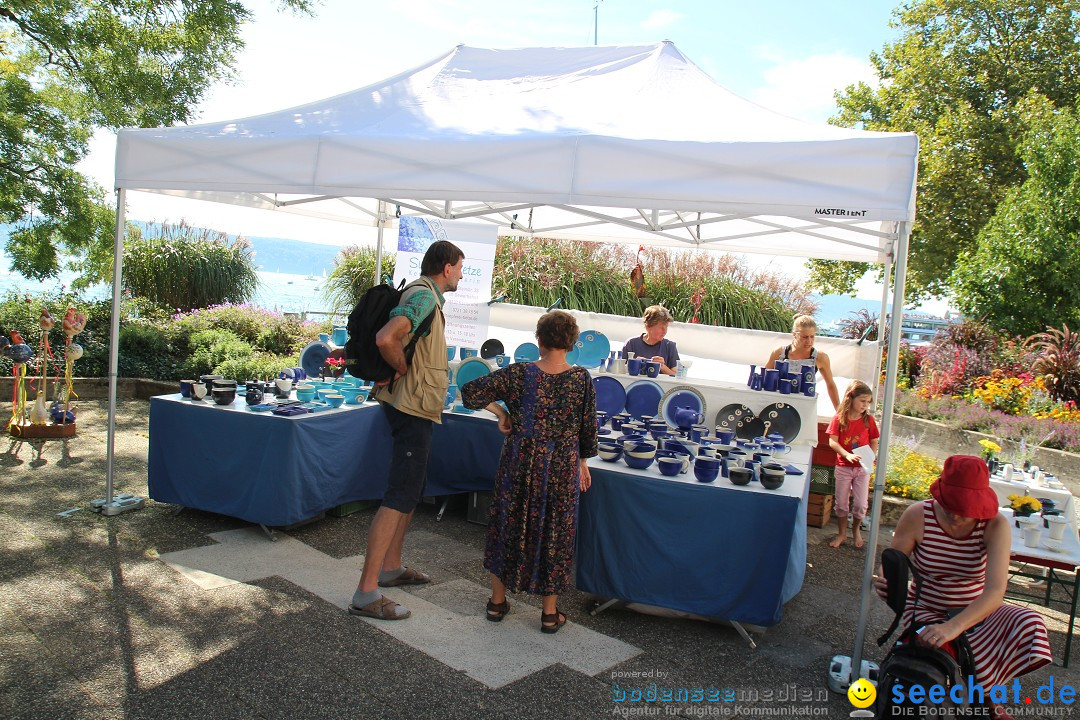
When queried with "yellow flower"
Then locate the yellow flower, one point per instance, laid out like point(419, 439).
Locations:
point(990, 445)
point(1024, 503)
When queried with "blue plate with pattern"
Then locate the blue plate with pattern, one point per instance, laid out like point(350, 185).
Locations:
point(643, 398)
point(610, 395)
point(681, 396)
point(572, 356)
point(313, 356)
point(526, 352)
point(470, 369)
point(593, 348)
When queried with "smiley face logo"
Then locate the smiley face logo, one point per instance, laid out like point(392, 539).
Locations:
point(862, 693)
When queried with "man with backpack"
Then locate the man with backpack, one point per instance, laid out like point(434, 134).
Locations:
point(412, 401)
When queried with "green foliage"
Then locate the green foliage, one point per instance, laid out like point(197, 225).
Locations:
point(352, 276)
point(595, 277)
point(955, 77)
point(837, 277)
point(181, 267)
point(860, 323)
point(67, 68)
point(210, 348)
point(1024, 275)
point(909, 473)
point(256, 366)
point(1058, 362)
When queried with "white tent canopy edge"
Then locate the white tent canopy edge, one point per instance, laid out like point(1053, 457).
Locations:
point(580, 143)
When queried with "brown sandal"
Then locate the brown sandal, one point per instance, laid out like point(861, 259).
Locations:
point(497, 611)
point(550, 623)
point(382, 609)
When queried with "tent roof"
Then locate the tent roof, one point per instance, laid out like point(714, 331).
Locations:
point(629, 143)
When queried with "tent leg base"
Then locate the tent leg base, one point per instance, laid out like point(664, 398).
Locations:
point(121, 502)
point(742, 632)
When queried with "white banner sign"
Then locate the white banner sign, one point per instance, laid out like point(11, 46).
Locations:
point(466, 309)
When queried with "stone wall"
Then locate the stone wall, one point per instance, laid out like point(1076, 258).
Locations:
point(98, 388)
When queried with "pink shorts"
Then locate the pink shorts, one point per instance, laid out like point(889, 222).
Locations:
point(852, 484)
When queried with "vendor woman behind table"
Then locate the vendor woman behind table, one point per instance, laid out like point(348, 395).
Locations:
point(651, 344)
point(802, 352)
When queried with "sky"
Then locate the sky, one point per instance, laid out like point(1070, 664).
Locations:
point(789, 56)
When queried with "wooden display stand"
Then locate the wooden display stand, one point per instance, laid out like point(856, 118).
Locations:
point(819, 510)
point(49, 431)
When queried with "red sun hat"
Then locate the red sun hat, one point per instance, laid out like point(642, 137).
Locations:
point(964, 488)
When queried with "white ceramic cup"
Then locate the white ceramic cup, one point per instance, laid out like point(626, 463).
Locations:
point(1057, 525)
point(198, 391)
point(1007, 471)
point(1031, 535)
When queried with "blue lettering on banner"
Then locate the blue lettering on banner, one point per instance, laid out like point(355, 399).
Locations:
point(935, 694)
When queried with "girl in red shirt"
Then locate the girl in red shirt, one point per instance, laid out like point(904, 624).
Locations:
point(853, 427)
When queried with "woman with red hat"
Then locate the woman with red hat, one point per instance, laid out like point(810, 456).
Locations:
point(959, 544)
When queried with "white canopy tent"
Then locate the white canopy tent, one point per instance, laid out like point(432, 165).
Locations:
point(624, 143)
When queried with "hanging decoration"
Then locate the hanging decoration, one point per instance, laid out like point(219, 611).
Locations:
point(637, 275)
point(20, 354)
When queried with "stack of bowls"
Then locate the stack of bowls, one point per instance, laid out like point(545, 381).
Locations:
point(740, 475)
point(638, 454)
point(706, 469)
point(334, 400)
point(305, 392)
point(224, 391)
point(609, 451)
point(772, 475)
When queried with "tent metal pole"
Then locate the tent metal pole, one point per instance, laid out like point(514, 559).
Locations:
point(881, 319)
point(883, 448)
point(115, 504)
point(381, 211)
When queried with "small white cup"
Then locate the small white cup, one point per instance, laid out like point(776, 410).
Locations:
point(1031, 535)
point(1057, 525)
point(1007, 472)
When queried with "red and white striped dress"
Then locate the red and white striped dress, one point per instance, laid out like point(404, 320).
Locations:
point(1011, 641)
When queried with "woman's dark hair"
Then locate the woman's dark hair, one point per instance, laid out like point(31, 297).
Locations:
point(438, 256)
point(557, 330)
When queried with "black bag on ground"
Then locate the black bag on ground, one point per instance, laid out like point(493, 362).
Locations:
point(909, 663)
point(372, 312)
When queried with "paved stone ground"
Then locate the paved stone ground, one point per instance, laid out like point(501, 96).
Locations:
point(165, 615)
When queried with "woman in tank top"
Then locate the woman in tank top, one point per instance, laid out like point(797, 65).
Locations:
point(801, 351)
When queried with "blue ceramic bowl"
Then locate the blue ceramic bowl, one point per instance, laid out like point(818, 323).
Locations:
point(334, 399)
point(706, 474)
point(669, 466)
point(707, 462)
point(350, 395)
point(639, 448)
point(305, 394)
point(467, 353)
point(638, 463)
point(324, 390)
point(738, 475)
point(451, 350)
point(609, 453)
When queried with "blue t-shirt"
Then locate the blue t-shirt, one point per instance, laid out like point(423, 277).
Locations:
point(665, 349)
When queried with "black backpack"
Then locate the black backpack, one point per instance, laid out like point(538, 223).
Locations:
point(909, 663)
point(372, 312)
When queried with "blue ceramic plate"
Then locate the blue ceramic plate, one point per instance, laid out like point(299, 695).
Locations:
point(643, 398)
point(470, 369)
point(526, 352)
point(261, 408)
point(491, 348)
point(593, 348)
point(781, 418)
point(610, 395)
point(459, 408)
point(792, 470)
point(681, 396)
point(572, 356)
point(313, 356)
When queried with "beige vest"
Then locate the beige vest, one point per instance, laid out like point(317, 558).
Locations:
point(422, 390)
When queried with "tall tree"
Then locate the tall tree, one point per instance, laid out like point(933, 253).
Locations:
point(1024, 274)
point(68, 67)
point(955, 78)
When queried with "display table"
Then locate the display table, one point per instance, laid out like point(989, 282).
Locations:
point(279, 471)
point(714, 549)
point(1050, 564)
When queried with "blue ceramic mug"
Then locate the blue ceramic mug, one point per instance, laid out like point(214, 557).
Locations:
point(633, 366)
point(340, 336)
point(652, 369)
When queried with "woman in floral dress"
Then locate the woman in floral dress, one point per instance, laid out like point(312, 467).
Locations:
point(550, 427)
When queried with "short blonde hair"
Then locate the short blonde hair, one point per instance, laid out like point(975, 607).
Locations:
point(656, 314)
point(803, 322)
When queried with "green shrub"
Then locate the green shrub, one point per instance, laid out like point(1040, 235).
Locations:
point(353, 275)
point(178, 266)
point(256, 366)
point(210, 348)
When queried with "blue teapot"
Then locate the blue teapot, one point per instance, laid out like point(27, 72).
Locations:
point(685, 417)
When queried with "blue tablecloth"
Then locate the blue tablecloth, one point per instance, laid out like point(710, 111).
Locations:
point(279, 471)
point(720, 552)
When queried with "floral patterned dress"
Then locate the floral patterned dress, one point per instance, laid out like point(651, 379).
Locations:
point(530, 541)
